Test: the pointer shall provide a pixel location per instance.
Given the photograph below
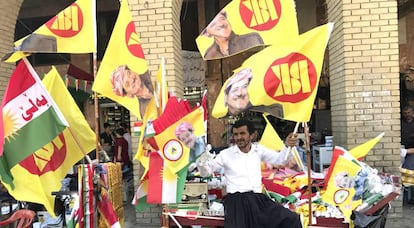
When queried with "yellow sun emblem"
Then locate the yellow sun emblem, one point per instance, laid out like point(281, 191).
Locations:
point(10, 125)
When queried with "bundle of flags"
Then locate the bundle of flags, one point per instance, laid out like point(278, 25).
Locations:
point(168, 158)
point(40, 160)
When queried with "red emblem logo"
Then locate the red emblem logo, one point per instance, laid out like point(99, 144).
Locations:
point(260, 15)
point(49, 160)
point(290, 79)
point(132, 41)
point(67, 23)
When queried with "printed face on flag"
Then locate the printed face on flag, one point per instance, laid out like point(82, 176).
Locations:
point(245, 24)
point(284, 80)
point(123, 75)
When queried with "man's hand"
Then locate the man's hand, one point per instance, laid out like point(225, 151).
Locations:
point(291, 140)
point(206, 156)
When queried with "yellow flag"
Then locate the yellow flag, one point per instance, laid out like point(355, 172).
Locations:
point(143, 147)
point(71, 31)
point(123, 73)
point(244, 24)
point(176, 153)
point(40, 174)
point(362, 150)
point(280, 80)
point(154, 110)
point(340, 189)
point(270, 138)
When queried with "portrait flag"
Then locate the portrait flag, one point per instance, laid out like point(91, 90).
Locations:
point(172, 150)
point(123, 50)
point(45, 168)
point(284, 79)
point(31, 119)
point(153, 111)
point(362, 150)
point(249, 24)
point(169, 162)
point(72, 30)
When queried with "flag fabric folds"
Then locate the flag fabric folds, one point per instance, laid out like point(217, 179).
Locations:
point(168, 157)
point(280, 80)
point(27, 107)
point(248, 24)
point(123, 73)
point(45, 169)
point(71, 31)
point(270, 139)
point(164, 186)
point(362, 150)
point(340, 189)
point(175, 152)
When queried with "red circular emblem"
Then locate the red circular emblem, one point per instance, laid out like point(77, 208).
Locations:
point(290, 79)
point(260, 15)
point(132, 41)
point(67, 23)
point(56, 159)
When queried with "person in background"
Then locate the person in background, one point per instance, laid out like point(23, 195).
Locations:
point(407, 143)
point(185, 133)
point(245, 205)
point(107, 139)
point(127, 137)
point(121, 149)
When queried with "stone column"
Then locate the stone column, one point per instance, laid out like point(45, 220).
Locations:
point(158, 25)
point(364, 81)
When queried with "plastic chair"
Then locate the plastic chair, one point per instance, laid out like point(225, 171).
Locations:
point(24, 216)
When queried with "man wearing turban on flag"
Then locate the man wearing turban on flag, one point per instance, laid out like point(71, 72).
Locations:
point(236, 97)
point(126, 82)
point(226, 42)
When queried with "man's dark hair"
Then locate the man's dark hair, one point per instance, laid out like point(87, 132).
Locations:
point(408, 107)
point(244, 122)
point(120, 131)
point(106, 125)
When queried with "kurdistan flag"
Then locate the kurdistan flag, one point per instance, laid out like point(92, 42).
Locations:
point(31, 119)
point(284, 79)
point(71, 31)
point(168, 166)
point(164, 186)
point(45, 169)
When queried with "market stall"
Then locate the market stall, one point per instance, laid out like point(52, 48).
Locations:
point(289, 188)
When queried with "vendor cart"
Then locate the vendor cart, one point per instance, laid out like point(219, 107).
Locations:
point(373, 217)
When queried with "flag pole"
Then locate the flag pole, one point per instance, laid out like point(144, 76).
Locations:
point(308, 160)
point(289, 149)
point(95, 96)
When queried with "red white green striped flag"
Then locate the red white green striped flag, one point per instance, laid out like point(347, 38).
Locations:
point(31, 119)
point(164, 186)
